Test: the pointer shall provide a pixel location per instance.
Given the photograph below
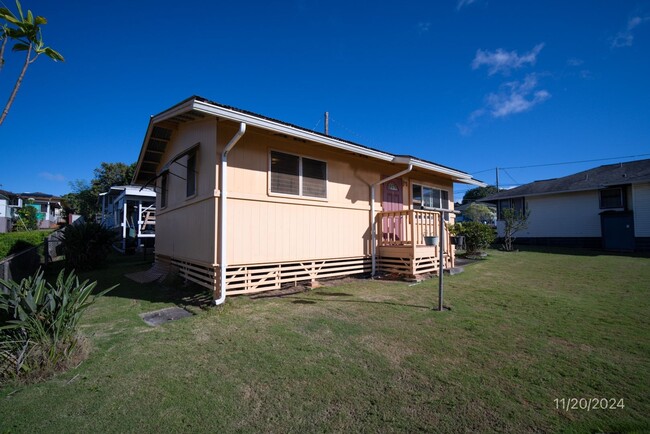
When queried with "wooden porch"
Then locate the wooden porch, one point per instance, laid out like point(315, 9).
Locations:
point(401, 245)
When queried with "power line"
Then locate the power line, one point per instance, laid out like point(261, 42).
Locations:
point(510, 176)
point(563, 163)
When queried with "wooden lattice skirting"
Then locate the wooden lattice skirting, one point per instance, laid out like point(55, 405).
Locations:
point(249, 279)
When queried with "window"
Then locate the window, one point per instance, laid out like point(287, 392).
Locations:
point(429, 197)
point(190, 175)
point(612, 198)
point(518, 204)
point(285, 173)
point(163, 190)
point(299, 176)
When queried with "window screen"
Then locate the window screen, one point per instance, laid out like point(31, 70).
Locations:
point(285, 173)
point(314, 178)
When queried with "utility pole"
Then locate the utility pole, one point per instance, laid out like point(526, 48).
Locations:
point(497, 170)
point(327, 123)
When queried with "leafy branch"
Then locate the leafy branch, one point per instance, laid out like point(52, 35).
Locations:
point(25, 32)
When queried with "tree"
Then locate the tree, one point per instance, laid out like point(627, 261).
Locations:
point(479, 193)
point(25, 31)
point(110, 174)
point(84, 197)
point(513, 221)
point(26, 218)
point(478, 212)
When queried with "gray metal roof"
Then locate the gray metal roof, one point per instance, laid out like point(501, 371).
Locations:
point(608, 175)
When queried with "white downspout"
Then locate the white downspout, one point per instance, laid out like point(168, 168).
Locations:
point(373, 224)
point(223, 212)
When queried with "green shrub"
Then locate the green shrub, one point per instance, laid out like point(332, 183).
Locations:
point(26, 219)
point(478, 236)
point(38, 321)
point(86, 245)
point(14, 242)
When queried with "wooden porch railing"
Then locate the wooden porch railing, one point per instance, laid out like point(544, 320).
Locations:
point(408, 228)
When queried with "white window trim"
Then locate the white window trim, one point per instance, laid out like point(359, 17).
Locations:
point(421, 184)
point(621, 196)
point(300, 194)
point(194, 152)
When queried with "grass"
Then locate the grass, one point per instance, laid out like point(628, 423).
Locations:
point(524, 329)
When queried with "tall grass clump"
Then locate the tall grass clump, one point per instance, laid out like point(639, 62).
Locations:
point(39, 323)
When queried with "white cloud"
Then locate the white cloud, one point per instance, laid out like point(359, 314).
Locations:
point(573, 61)
point(625, 38)
point(501, 61)
point(462, 3)
point(516, 97)
point(52, 176)
point(513, 97)
point(424, 27)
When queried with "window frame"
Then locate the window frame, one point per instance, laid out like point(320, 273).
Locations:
point(431, 187)
point(300, 194)
point(193, 154)
point(621, 196)
point(164, 189)
point(511, 205)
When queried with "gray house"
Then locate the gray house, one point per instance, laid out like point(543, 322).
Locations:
point(605, 207)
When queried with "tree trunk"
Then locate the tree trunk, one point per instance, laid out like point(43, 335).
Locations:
point(16, 86)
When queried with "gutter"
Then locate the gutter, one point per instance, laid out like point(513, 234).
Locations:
point(223, 213)
point(373, 223)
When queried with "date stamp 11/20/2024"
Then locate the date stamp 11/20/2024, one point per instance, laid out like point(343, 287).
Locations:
point(589, 404)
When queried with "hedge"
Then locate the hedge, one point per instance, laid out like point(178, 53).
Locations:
point(14, 242)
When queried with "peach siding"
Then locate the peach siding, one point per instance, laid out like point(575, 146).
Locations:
point(186, 225)
point(265, 231)
point(263, 227)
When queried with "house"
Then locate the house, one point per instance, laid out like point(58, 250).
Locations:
point(6, 211)
point(247, 203)
point(607, 207)
point(48, 209)
point(131, 211)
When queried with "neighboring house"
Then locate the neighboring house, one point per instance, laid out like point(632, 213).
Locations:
point(6, 211)
point(247, 203)
point(131, 211)
point(48, 208)
point(606, 207)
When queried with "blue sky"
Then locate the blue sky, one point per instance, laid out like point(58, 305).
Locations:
point(471, 84)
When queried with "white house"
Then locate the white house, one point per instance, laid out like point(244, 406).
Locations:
point(131, 211)
point(606, 207)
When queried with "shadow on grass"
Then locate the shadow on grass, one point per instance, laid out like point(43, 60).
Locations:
point(172, 290)
point(300, 300)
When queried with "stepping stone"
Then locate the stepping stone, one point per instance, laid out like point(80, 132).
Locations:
point(162, 316)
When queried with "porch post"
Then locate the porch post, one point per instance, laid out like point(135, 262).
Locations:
point(411, 217)
point(124, 211)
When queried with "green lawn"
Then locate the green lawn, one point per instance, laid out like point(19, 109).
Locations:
point(524, 330)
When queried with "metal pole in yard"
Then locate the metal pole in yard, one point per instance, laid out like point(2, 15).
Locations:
point(441, 261)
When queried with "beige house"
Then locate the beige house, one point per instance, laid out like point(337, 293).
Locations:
point(246, 203)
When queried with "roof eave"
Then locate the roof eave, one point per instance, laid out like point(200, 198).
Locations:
point(194, 104)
